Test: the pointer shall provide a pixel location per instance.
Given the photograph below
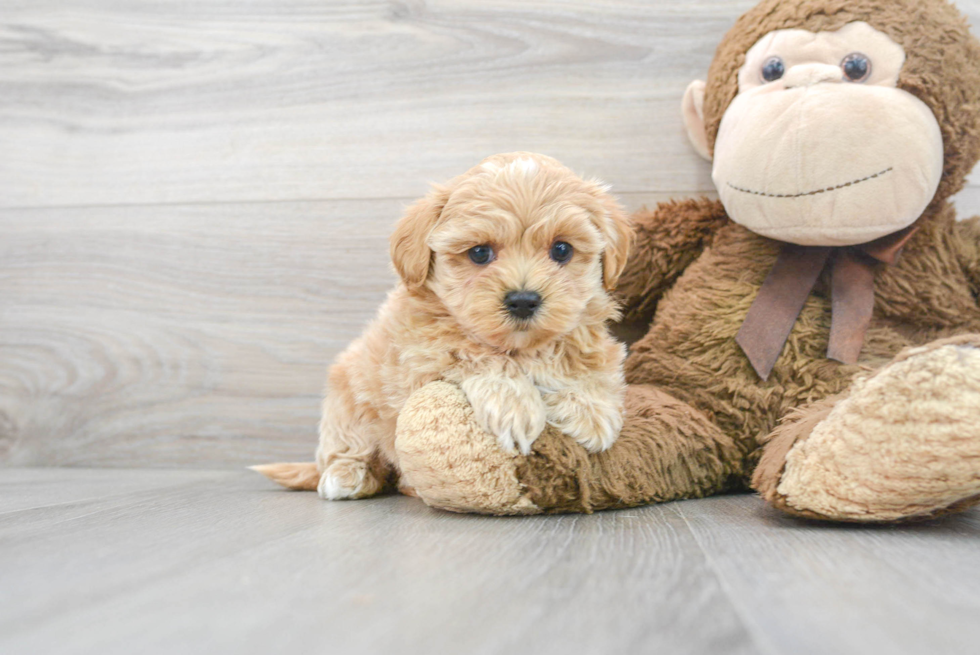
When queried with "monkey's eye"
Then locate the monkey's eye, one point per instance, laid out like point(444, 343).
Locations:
point(481, 255)
point(561, 252)
point(773, 69)
point(856, 67)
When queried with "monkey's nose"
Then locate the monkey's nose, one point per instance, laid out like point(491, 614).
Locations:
point(810, 74)
point(522, 304)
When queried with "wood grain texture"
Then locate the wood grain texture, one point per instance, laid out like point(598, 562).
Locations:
point(813, 588)
point(176, 334)
point(127, 103)
point(267, 100)
point(32, 489)
point(227, 563)
point(117, 561)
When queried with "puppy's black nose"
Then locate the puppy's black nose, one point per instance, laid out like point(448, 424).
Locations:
point(522, 304)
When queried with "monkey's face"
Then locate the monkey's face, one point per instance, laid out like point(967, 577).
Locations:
point(820, 146)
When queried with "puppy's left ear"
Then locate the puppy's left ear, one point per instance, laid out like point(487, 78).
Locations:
point(617, 230)
point(410, 253)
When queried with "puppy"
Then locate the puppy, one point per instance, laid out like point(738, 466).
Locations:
point(506, 273)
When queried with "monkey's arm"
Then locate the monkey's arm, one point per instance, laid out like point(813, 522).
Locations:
point(968, 232)
point(668, 238)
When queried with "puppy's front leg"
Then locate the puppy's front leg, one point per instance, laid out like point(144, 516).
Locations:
point(587, 409)
point(510, 408)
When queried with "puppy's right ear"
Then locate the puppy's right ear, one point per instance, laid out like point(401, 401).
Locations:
point(410, 253)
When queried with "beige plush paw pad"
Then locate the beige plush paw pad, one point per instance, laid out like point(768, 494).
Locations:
point(450, 461)
point(905, 442)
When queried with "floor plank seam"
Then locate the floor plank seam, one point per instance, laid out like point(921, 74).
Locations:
point(86, 499)
point(120, 505)
point(757, 634)
point(680, 193)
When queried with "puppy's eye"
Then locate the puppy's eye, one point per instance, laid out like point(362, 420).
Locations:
point(773, 69)
point(856, 67)
point(561, 252)
point(481, 255)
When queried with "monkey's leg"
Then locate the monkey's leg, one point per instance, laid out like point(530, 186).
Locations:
point(903, 443)
point(666, 451)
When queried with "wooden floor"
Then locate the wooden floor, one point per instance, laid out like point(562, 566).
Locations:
point(135, 561)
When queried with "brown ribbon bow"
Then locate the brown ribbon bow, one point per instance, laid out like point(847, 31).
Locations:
point(784, 292)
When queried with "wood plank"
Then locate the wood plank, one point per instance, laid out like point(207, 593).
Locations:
point(807, 587)
point(179, 334)
point(262, 100)
point(134, 103)
point(25, 489)
point(233, 564)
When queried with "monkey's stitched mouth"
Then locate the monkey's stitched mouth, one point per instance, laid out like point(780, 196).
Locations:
point(811, 193)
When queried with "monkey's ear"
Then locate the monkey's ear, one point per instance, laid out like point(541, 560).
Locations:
point(410, 253)
point(692, 108)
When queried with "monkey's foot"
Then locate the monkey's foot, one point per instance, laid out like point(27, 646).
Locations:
point(903, 443)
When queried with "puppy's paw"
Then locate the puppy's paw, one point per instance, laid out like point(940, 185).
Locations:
point(347, 479)
point(594, 421)
point(511, 409)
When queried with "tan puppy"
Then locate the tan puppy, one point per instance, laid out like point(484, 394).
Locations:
point(505, 273)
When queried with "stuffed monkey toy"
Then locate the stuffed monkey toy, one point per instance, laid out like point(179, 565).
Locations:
point(815, 333)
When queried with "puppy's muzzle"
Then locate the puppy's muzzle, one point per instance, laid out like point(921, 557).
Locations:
point(522, 304)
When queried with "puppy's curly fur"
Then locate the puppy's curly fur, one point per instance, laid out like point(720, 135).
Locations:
point(448, 319)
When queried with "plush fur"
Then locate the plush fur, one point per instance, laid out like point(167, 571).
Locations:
point(895, 436)
point(447, 320)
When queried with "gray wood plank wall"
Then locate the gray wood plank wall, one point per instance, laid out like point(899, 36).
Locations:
point(195, 197)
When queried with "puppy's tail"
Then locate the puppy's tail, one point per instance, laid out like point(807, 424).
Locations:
point(302, 476)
